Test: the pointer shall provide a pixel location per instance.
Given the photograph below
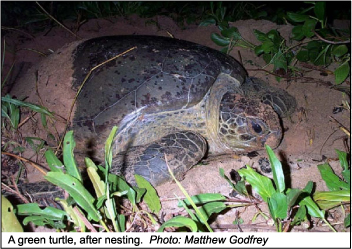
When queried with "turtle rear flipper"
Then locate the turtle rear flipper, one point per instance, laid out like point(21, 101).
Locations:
point(182, 150)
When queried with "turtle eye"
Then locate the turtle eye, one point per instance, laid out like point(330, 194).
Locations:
point(257, 128)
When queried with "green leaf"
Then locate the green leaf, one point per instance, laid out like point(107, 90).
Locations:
point(260, 36)
point(339, 50)
point(332, 181)
point(297, 33)
point(299, 216)
point(308, 27)
point(151, 198)
point(303, 56)
point(319, 10)
point(222, 174)
point(330, 199)
point(34, 209)
point(98, 184)
point(78, 192)
point(77, 220)
point(261, 184)
point(210, 208)
point(268, 47)
point(279, 61)
point(42, 221)
point(108, 148)
point(309, 187)
point(278, 205)
point(208, 21)
point(231, 33)
point(342, 72)
point(9, 221)
point(343, 159)
point(292, 196)
point(297, 17)
point(276, 167)
point(204, 198)
point(43, 119)
point(119, 184)
point(69, 160)
point(219, 40)
point(179, 221)
point(312, 207)
point(54, 163)
point(36, 108)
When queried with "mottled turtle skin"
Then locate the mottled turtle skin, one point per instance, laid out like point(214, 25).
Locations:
point(170, 97)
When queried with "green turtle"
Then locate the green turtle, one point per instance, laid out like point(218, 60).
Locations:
point(173, 101)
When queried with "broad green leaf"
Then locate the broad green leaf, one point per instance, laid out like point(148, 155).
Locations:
point(279, 61)
point(151, 197)
point(332, 181)
point(297, 17)
point(119, 184)
point(69, 159)
point(300, 216)
point(42, 221)
point(267, 46)
point(78, 192)
point(210, 208)
point(108, 149)
point(339, 50)
point(342, 72)
point(122, 222)
point(292, 195)
point(297, 33)
point(308, 27)
point(261, 184)
point(312, 207)
point(319, 10)
point(179, 221)
point(43, 119)
point(98, 184)
point(54, 163)
point(258, 50)
point(309, 187)
point(204, 198)
point(77, 221)
point(9, 221)
point(208, 21)
point(231, 33)
point(15, 117)
point(278, 205)
point(343, 159)
point(241, 188)
point(36, 108)
point(219, 40)
point(330, 199)
point(222, 174)
point(260, 36)
point(303, 55)
point(34, 209)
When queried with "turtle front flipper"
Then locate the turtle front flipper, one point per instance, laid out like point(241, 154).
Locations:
point(182, 151)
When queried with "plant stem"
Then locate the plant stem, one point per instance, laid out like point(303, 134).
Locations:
point(330, 226)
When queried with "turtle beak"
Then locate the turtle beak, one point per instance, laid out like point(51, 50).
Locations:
point(273, 139)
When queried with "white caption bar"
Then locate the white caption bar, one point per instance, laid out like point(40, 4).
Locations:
point(174, 240)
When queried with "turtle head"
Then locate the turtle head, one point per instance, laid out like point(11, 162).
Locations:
point(247, 124)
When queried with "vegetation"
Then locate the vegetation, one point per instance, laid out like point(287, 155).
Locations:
point(318, 44)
